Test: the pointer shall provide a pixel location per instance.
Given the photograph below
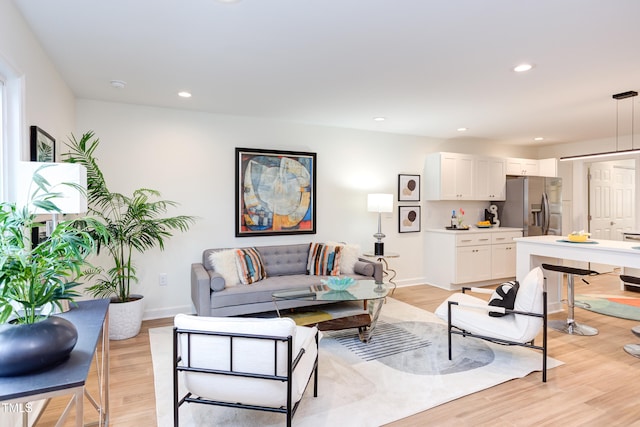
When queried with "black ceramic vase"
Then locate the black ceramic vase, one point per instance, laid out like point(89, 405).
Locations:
point(34, 347)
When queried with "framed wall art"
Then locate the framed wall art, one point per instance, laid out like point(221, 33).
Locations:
point(408, 188)
point(408, 219)
point(43, 146)
point(275, 192)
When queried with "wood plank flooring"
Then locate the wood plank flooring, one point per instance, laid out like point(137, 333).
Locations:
point(598, 385)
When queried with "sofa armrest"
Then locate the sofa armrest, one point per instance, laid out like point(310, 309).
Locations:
point(377, 268)
point(201, 289)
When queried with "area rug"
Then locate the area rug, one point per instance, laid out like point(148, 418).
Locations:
point(612, 305)
point(403, 370)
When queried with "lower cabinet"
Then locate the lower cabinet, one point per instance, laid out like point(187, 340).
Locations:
point(463, 257)
point(473, 263)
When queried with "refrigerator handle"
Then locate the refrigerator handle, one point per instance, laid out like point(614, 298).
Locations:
point(546, 216)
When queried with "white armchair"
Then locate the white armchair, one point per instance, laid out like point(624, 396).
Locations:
point(261, 364)
point(468, 316)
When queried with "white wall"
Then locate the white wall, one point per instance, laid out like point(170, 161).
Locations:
point(189, 157)
point(47, 100)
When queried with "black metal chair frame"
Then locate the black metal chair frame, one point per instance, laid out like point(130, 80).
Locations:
point(452, 329)
point(292, 363)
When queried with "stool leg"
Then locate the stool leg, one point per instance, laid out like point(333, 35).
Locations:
point(570, 326)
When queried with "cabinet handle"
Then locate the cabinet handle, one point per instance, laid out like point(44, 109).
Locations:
point(483, 240)
point(465, 240)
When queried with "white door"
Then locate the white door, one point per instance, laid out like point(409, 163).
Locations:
point(611, 201)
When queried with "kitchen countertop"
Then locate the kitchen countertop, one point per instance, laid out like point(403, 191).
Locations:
point(474, 229)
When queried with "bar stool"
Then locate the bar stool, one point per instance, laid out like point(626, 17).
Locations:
point(632, 349)
point(570, 326)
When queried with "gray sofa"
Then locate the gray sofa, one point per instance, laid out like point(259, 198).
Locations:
point(286, 268)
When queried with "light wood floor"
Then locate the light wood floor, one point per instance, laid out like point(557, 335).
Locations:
point(598, 385)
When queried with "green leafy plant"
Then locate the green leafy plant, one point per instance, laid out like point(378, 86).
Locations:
point(134, 223)
point(33, 277)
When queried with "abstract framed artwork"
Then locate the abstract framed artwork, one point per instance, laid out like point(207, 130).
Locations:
point(408, 188)
point(408, 219)
point(43, 146)
point(275, 192)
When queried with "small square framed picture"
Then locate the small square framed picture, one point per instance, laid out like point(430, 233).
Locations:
point(408, 219)
point(408, 188)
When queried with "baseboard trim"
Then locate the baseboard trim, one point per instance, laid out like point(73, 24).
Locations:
point(161, 313)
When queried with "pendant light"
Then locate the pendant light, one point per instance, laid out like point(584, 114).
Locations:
point(632, 150)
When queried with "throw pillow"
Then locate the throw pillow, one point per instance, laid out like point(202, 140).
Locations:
point(504, 296)
point(348, 257)
point(224, 263)
point(249, 265)
point(324, 260)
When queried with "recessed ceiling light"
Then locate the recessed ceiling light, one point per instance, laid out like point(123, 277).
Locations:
point(184, 94)
point(379, 119)
point(462, 129)
point(118, 84)
point(522, 68)
point(538, 138)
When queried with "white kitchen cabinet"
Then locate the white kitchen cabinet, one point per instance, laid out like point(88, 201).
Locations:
point(491, 179)
point(473, 264)
point(503, 261)
point(479, 257)
point(516, 166)
point(548, 167)
point(449, 176)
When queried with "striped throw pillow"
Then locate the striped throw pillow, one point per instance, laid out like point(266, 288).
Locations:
point(249, 265)
point(324, 260)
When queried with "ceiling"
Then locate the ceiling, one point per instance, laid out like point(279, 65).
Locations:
point(428, 66)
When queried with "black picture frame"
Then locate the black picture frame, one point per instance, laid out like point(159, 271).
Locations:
point(43, 145)
point(408, 188)
point(275, 192)
point(409, 219)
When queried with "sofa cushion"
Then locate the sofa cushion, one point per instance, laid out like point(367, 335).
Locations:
point(224, 263)
point(250, 266)
point(284, 260)
point(324, 260)
point(348, 256)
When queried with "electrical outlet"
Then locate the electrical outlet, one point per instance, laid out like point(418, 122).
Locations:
point(164, 279)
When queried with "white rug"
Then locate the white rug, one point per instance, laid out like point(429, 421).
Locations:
point(402, 371)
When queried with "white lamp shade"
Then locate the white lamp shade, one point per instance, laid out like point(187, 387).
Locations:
point(58, 175)
point(379, 202)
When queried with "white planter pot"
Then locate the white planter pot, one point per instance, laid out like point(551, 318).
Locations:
point(125, 318)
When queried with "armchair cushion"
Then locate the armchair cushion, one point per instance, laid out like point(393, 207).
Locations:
point(519, 328)
point(250, 356)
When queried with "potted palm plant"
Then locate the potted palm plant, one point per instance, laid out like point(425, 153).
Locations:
point(134, 223)
point(33, 278)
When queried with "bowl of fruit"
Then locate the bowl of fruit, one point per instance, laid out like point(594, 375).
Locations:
point(483, 224)
point(578, 236)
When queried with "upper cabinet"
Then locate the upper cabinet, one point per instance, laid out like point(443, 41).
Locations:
point(454, 176)
point(522, 167)
point(490, 178)
point(449, 176)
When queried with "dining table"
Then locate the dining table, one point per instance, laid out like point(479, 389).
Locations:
point(532, 251)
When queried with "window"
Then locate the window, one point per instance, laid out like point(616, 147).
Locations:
point(11, 126)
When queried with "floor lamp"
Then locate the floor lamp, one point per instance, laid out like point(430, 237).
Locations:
point(379, 203)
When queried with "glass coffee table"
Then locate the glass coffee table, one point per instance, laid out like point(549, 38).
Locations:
point(368, 291)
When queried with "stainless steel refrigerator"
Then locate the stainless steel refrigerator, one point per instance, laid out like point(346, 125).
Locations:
point(533, 203)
